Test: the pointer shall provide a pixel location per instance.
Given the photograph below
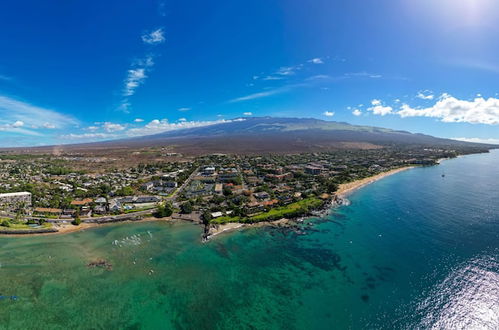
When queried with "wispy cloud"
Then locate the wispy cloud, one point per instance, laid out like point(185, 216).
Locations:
point(24, 118)
point(316, 60)
point(267, 93)
point(363, 74)
point(184, 109)
point(248, 113)
point(110, 130)
point(137, 74)
point(328, 113)
point(155, 37)
point(425, 95)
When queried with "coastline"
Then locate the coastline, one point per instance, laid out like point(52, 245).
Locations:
point(346, 189)
point(69, 228)
point(343, 190)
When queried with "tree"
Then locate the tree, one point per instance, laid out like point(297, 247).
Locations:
point(125, 191)
point(206, 217)
point(227, 191)
point(164, 211)
point(186, 208)
point(77, 220)
point(331, 186)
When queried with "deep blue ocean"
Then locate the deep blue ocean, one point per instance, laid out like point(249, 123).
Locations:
point(415, 250)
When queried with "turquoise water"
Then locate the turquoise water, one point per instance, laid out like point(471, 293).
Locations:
point(414, 250)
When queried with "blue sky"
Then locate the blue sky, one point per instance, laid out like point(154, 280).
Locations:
point(78, 71)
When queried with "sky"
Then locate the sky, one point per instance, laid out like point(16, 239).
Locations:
point(81, 71)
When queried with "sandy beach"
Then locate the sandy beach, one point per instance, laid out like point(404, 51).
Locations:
point(343, 190)
point(347, 188)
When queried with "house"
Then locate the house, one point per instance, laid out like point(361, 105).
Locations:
point(101, 200)
point(15, 199)
point(81, 203)
point(219, 188)
point(148, 186)
point(261, 195)
point(216, 214)
point(314, 170)
point(208, 170)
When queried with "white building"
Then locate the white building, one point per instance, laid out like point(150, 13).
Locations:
point(15, 199)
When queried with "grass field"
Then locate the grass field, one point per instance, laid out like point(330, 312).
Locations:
point(289, 211)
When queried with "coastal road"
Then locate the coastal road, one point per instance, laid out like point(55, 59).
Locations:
point(186, 182)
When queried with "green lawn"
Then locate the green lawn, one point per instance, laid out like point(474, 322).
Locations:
point(292, 210)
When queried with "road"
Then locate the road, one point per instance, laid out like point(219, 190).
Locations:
point(186, 182)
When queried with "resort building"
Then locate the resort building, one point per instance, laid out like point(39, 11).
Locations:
point(17, 199)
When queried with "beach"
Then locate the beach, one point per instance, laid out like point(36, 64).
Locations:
point(343, 190)
point(347, 188)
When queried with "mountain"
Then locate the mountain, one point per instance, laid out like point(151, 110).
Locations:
point(268, 134)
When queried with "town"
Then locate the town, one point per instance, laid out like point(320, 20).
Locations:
point(38, 193)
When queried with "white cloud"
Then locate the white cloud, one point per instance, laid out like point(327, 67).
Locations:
point(316, 60)
point(356, 112)
point(158, 126)
point(287, 70)
point(478, 140)
point(113, 127)
point(49, 126)
point(266, 93)
point(379, 109)
point(452, 110)
point(425, 95)
point(153, 127)
point(273, 78)
point(155, 37)
point(328, 113)
point(136, 77)
point(184, 109)
point(88, 136)
point(248, 113)
point(15, 115)
point(138, 120)
point(18, 123)
point(363, 74)
point(449, 110)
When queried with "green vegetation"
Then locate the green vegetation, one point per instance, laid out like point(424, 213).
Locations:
point(12, 224)
point(76, 221)
point(186, 208)
point(289, 211)
point(164, 211)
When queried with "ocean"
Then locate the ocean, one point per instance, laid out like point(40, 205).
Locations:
point(415, 250)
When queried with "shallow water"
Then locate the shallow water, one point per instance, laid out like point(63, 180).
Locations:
point(414, 250)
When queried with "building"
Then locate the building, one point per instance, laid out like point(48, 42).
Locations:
point(314, 170)
point(14, 200)
point(209, 170)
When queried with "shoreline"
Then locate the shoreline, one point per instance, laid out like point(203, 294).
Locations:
point(69, 228)
point(343, 190)
point(346, 189)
